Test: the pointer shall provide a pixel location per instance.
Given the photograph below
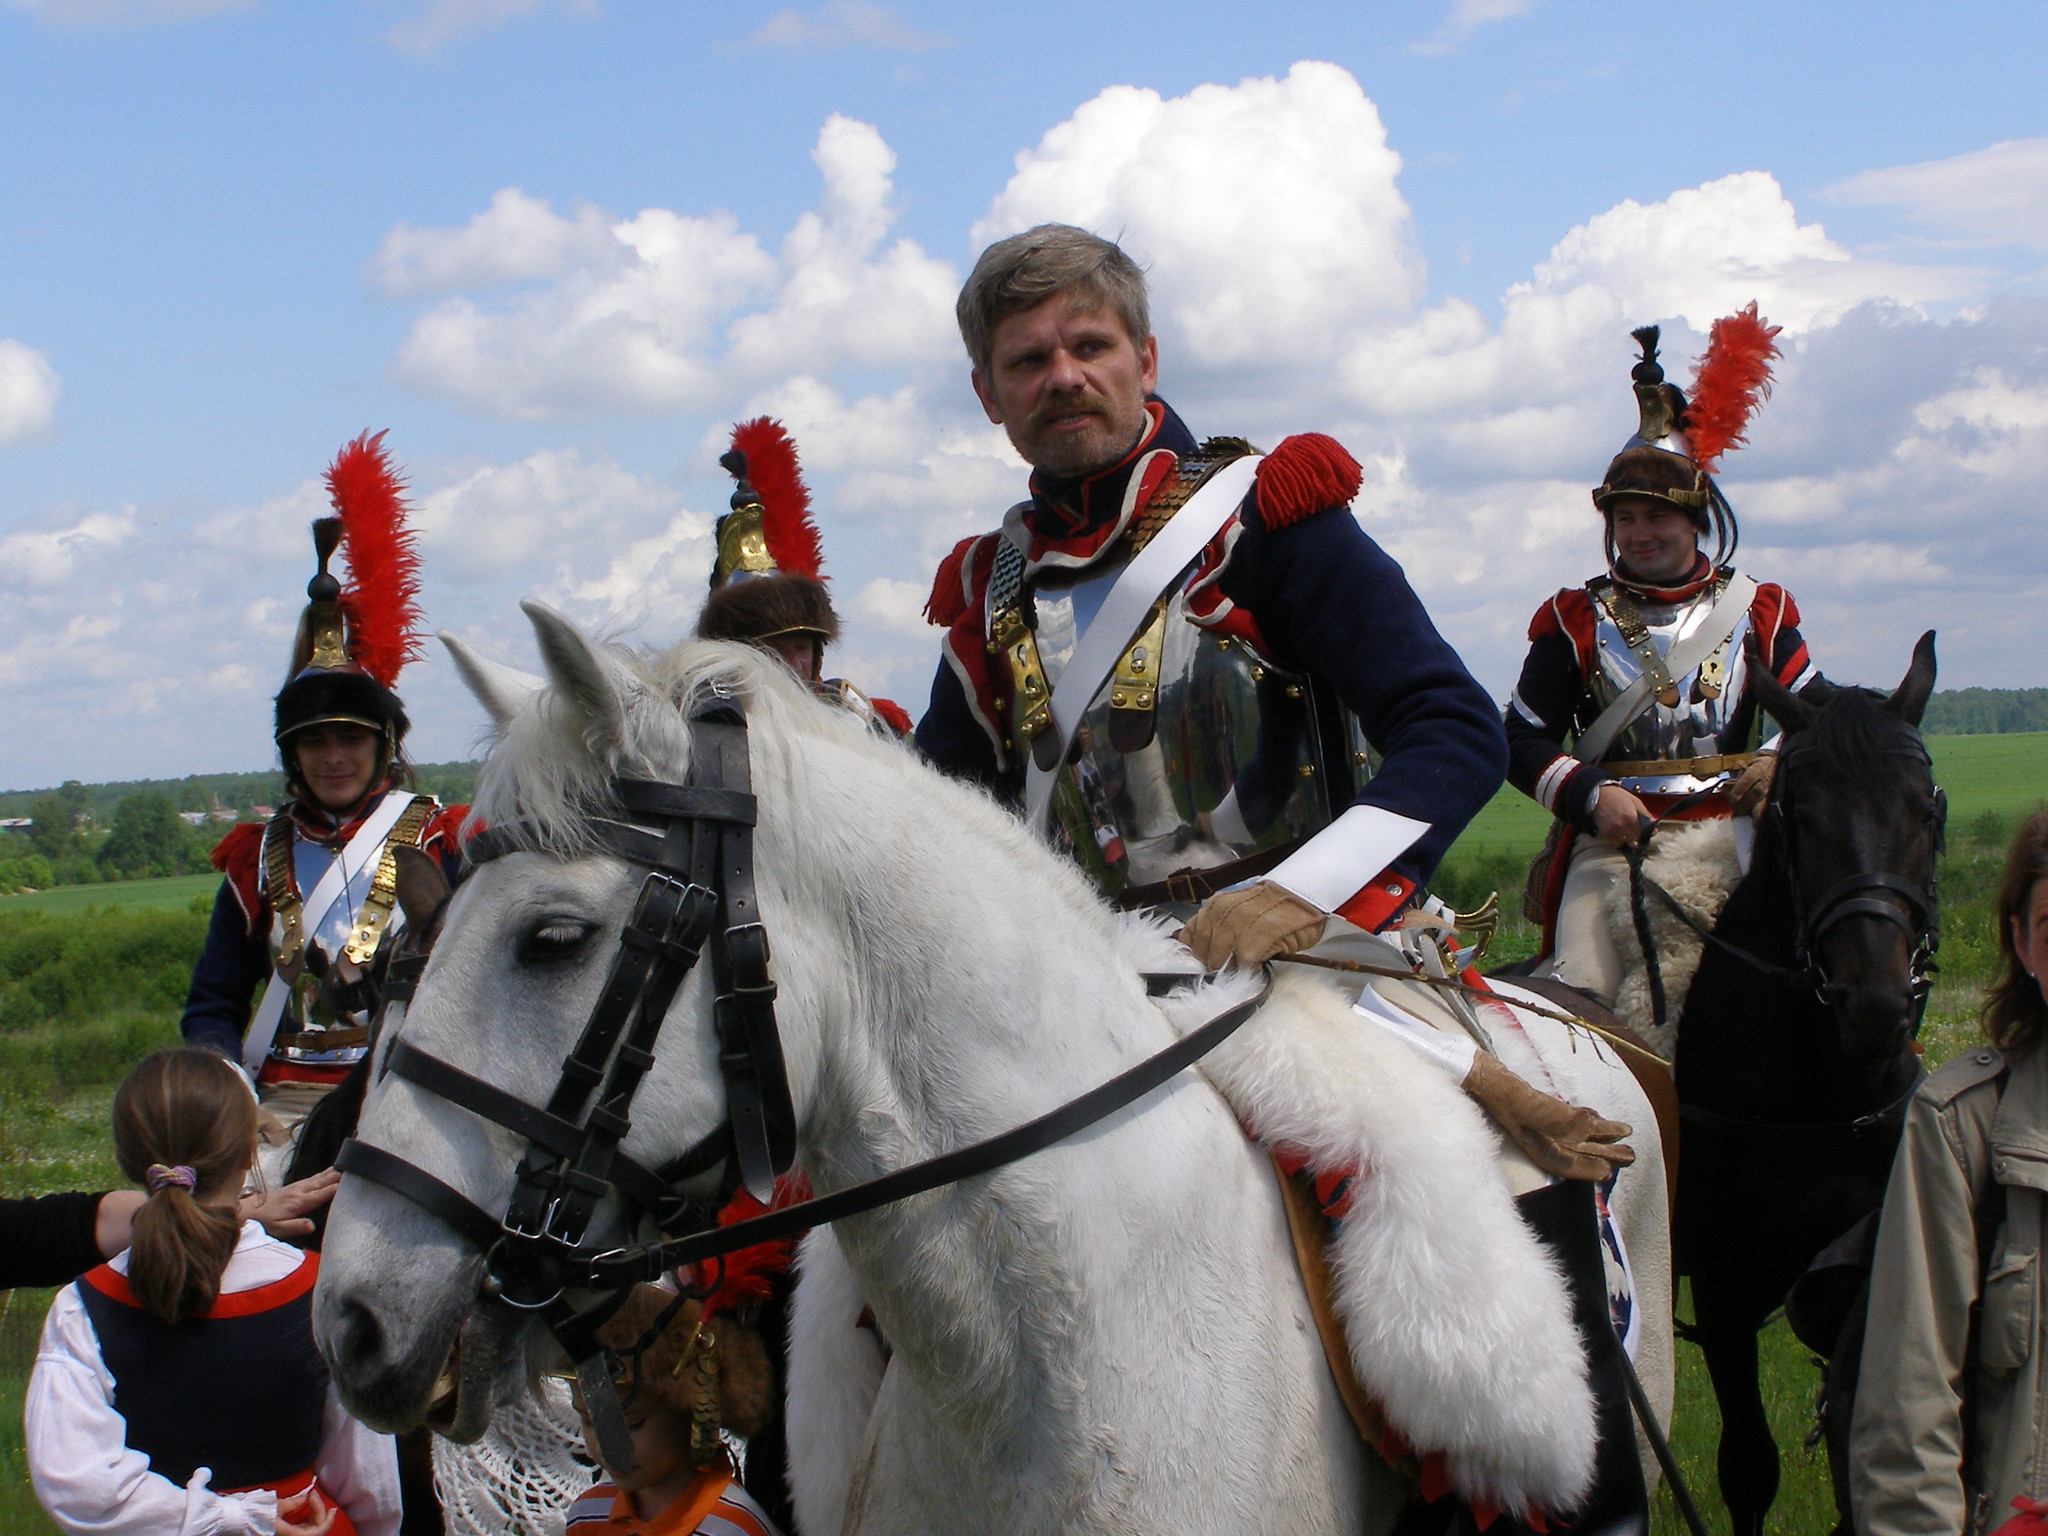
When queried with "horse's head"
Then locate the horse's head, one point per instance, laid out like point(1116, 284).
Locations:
point(577, 884)
point(1855, 823)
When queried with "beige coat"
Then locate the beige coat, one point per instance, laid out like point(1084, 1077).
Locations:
point(1917, 1468)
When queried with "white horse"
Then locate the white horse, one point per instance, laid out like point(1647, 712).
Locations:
point(1108, 1336)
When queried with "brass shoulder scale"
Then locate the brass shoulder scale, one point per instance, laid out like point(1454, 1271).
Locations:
point(285, 901)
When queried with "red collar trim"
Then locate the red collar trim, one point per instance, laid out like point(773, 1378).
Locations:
point(1702, 577)
point(317, 825)
point(112, 1284)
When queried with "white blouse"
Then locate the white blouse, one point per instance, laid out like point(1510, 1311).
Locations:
point(94, 1484)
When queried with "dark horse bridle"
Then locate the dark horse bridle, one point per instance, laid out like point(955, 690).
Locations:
point(1913, 909)
point(695, 840)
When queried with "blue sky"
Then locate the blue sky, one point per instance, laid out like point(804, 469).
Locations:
point(233, 235)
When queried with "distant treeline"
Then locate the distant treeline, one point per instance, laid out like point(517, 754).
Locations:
point(1986, 712)
point(80, 834)
point(452, 782)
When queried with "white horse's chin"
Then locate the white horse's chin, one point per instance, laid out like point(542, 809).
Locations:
point(387, 1313)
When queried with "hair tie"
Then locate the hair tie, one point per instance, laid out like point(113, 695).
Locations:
point(160, 1177)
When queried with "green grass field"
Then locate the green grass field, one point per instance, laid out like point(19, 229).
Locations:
point(173, 892)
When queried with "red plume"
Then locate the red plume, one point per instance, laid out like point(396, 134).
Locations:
point(749, 1273)
point(773, 472)
point(1730, 380)
point(382, 595)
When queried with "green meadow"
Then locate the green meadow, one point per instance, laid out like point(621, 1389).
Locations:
point(92, 978)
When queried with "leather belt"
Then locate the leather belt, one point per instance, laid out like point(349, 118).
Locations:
point(1192, 887)
point(321, 1039)
point(1671, 767)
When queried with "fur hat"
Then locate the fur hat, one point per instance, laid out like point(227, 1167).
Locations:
point(713, 1372)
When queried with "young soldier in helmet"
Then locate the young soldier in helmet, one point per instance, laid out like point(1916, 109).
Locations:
point(766, 584)
point(307, 911)
point(1646, 667)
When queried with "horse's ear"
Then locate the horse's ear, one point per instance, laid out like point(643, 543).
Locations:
point(1910, 701)
point(422, 887)
point(502, 690)
point(1779, 702)
point(586, 680)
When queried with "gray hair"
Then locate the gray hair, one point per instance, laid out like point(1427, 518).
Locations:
point(1025, 270)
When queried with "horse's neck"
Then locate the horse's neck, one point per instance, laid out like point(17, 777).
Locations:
point(1750, 1043)
point(1020, 1001)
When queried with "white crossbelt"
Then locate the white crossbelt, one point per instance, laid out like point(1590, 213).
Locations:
point(1680, 662)
point(1172, 548)
point(367, 844)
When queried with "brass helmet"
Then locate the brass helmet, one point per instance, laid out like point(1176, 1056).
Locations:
point(353, 640)
point(1673, 453)
point(766, 581)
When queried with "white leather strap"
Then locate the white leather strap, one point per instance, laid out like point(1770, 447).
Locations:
point(362, 849)
point(1172, 549)
point(1682, 660)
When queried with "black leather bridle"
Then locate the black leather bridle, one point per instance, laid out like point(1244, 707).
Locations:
point(695, 841)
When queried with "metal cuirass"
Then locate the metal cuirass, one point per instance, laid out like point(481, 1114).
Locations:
point(1244, 758)
point(331, 971)
point(1701, 722)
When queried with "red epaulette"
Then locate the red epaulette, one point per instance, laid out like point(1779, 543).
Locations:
point(239, 856)
point(443, 829)
point(1308, 473)
point(1570, 613)
point(894, 715)
point(1770, 612)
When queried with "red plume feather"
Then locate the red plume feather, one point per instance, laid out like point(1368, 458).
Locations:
point(773, 472)
point(1731, 379)
point(750, 1273)
point(381, 598)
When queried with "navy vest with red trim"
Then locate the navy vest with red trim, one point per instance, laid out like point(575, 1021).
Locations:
point(241, 1389)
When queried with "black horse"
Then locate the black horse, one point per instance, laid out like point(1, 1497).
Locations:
point(1796, 1053)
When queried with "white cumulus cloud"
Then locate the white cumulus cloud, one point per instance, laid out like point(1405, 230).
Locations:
point(1268, 213)
point(29, 388)
point(1990, 196)
point(669, 311)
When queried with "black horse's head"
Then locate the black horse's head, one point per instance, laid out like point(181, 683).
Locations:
point(1855, 824)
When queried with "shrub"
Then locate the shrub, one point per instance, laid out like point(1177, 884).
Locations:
point(30, 873)
point(66, 969)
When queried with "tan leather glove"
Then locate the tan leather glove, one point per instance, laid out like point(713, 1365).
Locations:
point(1251, 926)
point(1560, 1138)
point(1751, 789)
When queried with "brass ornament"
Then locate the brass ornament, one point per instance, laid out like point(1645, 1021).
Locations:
point(742, 545)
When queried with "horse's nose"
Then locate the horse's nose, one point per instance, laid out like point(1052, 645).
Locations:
point(375, 1384)
point(1874, 1019)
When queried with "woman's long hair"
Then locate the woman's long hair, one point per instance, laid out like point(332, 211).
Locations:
point(2015, 1015)
point(183, 1110)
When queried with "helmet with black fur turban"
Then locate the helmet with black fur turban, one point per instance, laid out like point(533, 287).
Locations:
point(353, 640)
point(1678, 442)
point(766, 581)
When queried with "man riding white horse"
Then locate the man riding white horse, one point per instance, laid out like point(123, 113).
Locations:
point(308, 909)
point(767, 581)
point(1646, 666)
point(1176, 656)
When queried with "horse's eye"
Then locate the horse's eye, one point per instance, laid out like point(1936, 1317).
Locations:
point(554, 938)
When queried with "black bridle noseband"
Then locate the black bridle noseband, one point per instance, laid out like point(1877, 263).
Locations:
point(695, 841)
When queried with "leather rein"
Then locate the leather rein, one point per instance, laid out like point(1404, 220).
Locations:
point(695, 840)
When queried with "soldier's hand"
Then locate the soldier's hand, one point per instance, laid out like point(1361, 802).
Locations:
point(1618, 815)
point(1251, 926)
point(1563, 1139)
point(1751, 791)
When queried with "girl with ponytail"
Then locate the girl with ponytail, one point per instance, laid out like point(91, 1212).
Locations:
point(177, 1388)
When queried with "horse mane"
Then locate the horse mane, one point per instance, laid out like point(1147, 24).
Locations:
point(543, 778)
